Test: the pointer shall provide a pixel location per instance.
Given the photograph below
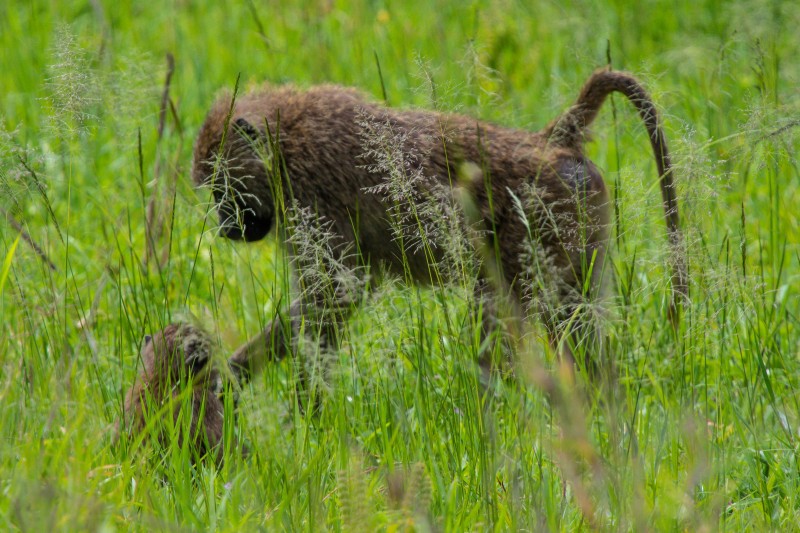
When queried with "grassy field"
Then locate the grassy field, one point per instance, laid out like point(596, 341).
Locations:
point(703, 429)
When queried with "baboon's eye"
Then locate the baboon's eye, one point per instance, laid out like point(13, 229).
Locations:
point(147, 339)
point(247, 130)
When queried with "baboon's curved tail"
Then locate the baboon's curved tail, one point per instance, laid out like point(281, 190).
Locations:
point(568, 131)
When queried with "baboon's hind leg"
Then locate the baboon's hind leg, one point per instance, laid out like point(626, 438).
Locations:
point(495, 310)
point(574, 317)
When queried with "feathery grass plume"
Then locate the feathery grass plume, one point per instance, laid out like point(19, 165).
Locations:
point(482, 81)
point(386, 152)
point(74, 85)
point(424, 214)
point(327, 270)
point(130, 89)
point(83, 91)
point(542, 293)
point(16, 182)
point(410, 491)
point(704, 178)
point(546, 296)
point(427, 85)
point(434, 92)
point(709, 177)
point(576, 451)
point(19, 176)
point(771, 131)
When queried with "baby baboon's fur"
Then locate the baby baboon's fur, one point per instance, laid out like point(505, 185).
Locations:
point(175, 358)
point(283, 146)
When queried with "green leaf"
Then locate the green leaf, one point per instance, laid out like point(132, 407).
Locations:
point(7, 263)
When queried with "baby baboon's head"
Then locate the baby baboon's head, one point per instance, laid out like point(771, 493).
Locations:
point(231, 158)
point(174, 354)
point(176, 358)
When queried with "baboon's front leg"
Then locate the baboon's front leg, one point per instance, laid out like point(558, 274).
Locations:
point(272, 344)
point(323, 317)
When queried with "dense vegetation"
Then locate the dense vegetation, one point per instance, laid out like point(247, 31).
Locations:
point(702, 429)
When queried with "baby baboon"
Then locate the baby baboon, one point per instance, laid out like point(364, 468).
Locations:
point(173, 359)
point(542, 205)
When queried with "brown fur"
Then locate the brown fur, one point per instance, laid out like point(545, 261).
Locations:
point(314, 141)
point(173, 359)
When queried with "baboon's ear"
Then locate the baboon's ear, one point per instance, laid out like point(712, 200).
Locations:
point(247, 130)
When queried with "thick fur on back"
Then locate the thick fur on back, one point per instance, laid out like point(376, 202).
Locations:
point(323, 134)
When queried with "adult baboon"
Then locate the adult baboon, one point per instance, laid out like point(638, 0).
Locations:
point(542, 205)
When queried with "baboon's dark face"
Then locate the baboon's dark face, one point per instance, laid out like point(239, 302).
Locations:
point(238, 221)
point(239, 181)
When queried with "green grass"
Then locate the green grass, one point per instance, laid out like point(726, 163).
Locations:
point(703, 433)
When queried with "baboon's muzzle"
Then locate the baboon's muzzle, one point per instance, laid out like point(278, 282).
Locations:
point(243, 225)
